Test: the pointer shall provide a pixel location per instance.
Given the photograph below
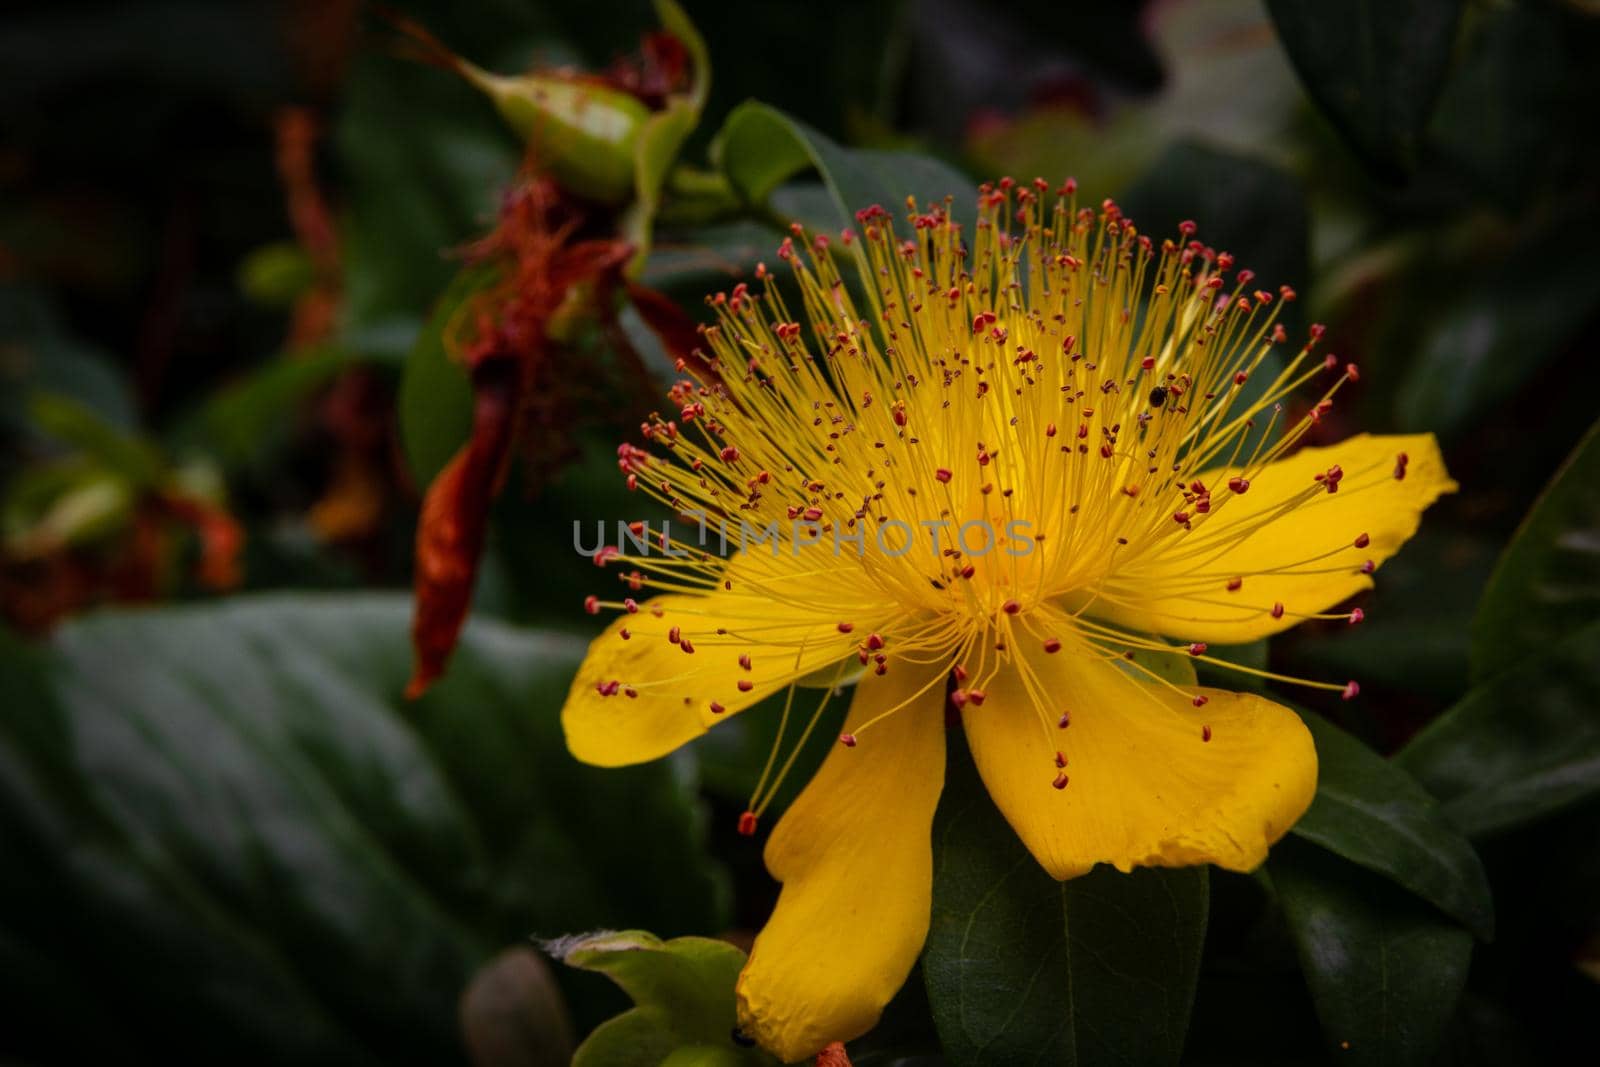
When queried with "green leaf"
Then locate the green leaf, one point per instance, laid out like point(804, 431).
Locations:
point(1547, 583)
point(683, 1000)
point(1374, 68)
point(1512, 318)
point(435, 402)
point(1255, 210)
point(1521, 746)
point(1375, 815)
point(664, 133)
point(424, 163)
point(1022, 968)
point(1385, 970)
point(237, 425)
point(228, 820)
point(75, 423)
point(761, 148)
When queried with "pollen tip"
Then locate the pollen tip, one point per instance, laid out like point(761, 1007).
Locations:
point(1352, 689)
point(1011, 607)
point(1197, 649)
point(1052, 644)
point(1065, 721)
point(747, 824)
point(716, 708)
point(1277, 610)
point(847, 740)
point(591, 604)
point(977, 696)
point(959, 697)
point(846, 627)
point(1060, 780)
point(1200, 701)
point(1356, 616)
point(1205, 733)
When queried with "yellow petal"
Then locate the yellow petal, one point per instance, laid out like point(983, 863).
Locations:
point(678, 695)
point(1144, 787)
point(1183, 589)
point(855, 857)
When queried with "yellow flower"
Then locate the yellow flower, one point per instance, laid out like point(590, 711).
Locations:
point(1064, 411)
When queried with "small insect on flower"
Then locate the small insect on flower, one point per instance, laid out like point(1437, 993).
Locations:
point(968, 565)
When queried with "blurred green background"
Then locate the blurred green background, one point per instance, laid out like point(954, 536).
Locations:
point(224, 228)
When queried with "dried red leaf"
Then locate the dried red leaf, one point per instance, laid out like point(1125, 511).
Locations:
point(833, 1056)
point(455, 517)
point(677, 332)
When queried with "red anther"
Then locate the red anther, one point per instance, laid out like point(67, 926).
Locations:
point(881, 669)
point(747, 824)
point(1197, 649)
point(1352, 689)
point(633, 482)
point(1050, 430)
point(1060, 781)
point(675, 635)
point(847, 740)
point(607, 689)
point(1148, 362)
point(729, 454)
point(1400, 462)
point(1240, 378)
point(1187, 227)
point(812, 514)
point(958, 697)
point(958, 672)
point(630, 692)
point(1066, 345)
point(1368, 567)
point(686, 646)
point(1362, 541)
point(745, 685)
point(744, 660)
point(624, 633)
point(1317, 330)
point(717, 709)
point(862, 656)
point(1356, 615)
point(968, 571)
point(1235, 584)
point(1352, 372)
point(943, 474)
point(1238, 485)
point(606, 554)
point(1200, 701)
point(1061, 758)
point(1331, 362)
point(1065, 721)
point(983, 458)
point(1052, 644)
point(899, 417)
point(591, 604)
point(1069, 186)
point(1277, 610)
point(1011, 607)
point(630, 605)
point(846, 627)
point(977, 696)
point(1180, 517)
point(1287, 293)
